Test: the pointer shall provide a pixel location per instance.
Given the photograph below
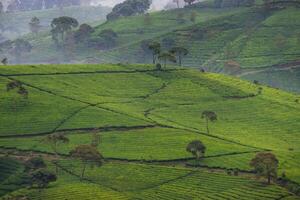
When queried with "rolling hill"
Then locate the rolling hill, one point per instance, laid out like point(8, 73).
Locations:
point(146, 118)
point(256, 41)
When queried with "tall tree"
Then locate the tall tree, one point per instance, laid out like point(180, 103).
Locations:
point(166, 56)
point(54, 140)
point(89, 155)
point(197, 148)
point(34, 25)
point(265, 165)
point(83, 33)
point(179, 52)
point(62, 25)
point(209, 116)
point(155, 49)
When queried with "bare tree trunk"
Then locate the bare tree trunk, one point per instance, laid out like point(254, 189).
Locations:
point(83, 171)
point(207, 128)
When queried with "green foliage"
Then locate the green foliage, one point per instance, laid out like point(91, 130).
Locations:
point(129, 8)
point(89, 155)
point(265, 164)
point(197, 148)
point(60, 26)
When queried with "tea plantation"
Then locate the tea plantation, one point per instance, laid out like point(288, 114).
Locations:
point(145, 118)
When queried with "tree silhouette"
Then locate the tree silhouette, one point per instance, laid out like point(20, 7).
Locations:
point(88, 155)
point(155, 49)
point(54, 140)
point(179, 52)
point(34, 25)
point(265, 165)
point(62, 25)
point(209, 116)
point(197, 148)
point(166, 56)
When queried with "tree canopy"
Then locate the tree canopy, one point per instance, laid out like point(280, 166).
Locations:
point(62, 25)
point(265, 165)
point(197, 148)
point(88, 154)
point(209, 116)
point(129, 8)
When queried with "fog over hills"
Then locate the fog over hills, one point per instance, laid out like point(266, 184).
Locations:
point(157, 4)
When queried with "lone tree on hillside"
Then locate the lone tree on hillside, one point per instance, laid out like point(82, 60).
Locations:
point(197, 148)
point(54, 140)
point(83, 33)
point(61, 26)
point(179, 52)
point(209, 116)
point(155, 49)
point(265, 165)
point(166, 56)
point(89, 155)
point(108, 39)
point(34, 25)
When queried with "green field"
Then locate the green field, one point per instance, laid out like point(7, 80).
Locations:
point(149, 116)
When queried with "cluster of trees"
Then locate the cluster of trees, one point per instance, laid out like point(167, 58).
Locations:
point(66, 35)
point(88, 154)
point(129, 8)
point(25, 5)
point(174, 54)
point(265, 164)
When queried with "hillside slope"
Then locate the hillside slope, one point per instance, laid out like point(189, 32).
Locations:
point(148, 115)
point(251, 38)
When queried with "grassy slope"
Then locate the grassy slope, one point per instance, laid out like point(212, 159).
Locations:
point(130, 30)
point(75, 99)
point(136, 181)
point(250, 36)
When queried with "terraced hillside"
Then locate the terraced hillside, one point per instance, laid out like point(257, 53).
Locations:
point(146, 118)
point(253, 39)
